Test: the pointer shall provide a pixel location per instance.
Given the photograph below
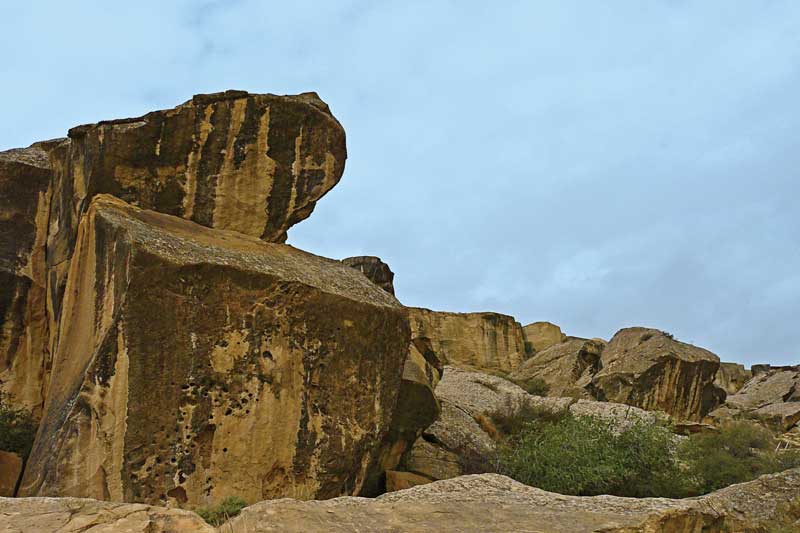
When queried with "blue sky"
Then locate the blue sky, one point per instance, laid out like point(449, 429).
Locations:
point(595, 164)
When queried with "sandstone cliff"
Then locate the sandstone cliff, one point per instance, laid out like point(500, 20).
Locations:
point(376, 270)
point(193, 364)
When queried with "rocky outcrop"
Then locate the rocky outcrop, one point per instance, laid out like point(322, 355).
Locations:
point(76, 515)
point(772, 395)
point(194, 364)
point(484, 342)
point(647, 368)
point(731, 377)
point(376, 270)
point(566, 367)
point(543, 335)
point(494, 503)
point(10, 471)
point(24, 205)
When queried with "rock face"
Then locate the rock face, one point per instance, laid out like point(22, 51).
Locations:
point(731, 377)
point(494, 503)
point(24, 205)
point(484, 342)
point(194, 364)
point(649, 369)
point(772, 395)
point(566, 367)
point(10, 470)
point(75, 515)
point(543, 335)
point(376, 270)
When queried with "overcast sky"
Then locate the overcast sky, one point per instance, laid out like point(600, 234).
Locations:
point(594, 164)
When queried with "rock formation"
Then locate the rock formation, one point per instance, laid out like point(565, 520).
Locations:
point(10, 471)
point(24, 205)
point(649, 369)
point(376, 270)
point(194, 364)
point(566, 367)
point(543, 335)
point(484, 342)
point(731, 377)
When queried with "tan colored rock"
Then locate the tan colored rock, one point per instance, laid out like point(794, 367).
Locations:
point(623, 416)
point(484, 342)
point(494, 503)
point(76, 515)
point(566, 367)
point(376, 270)
point(784, 415)
point(24, 204)
point(10, 470)
point(432, 461)
point(543, 335)
point(457, 431)
point(195, 364)
point(731, 377)
point(770, 387)
point(403, 480)
point(647, 368)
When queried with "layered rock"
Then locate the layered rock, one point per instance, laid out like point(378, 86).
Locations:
point(566, 367)
point(772, 395)
point(195, 364)
point(376, 270)
point(484, 342)
point(543, 335)
point(24, 206)
point(494, 503)
point(76, 515)
point(649, 369)
point(731, 377)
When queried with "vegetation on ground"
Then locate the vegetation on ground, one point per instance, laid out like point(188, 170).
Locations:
point(17, 428)
point(589, 455)
point(216, 515)
point(534, 386)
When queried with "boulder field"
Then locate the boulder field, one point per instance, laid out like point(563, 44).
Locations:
point(174, 351)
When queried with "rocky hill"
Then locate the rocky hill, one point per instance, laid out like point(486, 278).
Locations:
point(171, 351)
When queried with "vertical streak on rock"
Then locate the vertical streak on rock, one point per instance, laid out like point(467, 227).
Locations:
point(199, 138)
point(118, 415)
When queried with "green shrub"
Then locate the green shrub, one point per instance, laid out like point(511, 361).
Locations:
point(589, 456)
point(738, 452)
point(510, 421)
point(17, 428)
point(217, 515)
point(535, 386)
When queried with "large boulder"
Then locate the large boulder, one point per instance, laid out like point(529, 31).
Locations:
point(77, 515)
point(24, 207)
point(731, 377)
point(647, 368)
point(195, 364)
point(567, 367)
point(10, 470)
point(483, 342)
point(375, 269)
point(543, 335)
point(494, 503)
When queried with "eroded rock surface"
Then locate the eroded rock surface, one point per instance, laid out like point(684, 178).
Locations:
point(484, 342)
point(543, 335)
point(376, 270)
point(731, 377)
point(567, 367)
point(195, 364)
point(24, 205)
point(495, 503)
point(10, 471)
point(649, 369)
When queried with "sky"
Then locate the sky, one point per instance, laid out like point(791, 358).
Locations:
point(598, 165)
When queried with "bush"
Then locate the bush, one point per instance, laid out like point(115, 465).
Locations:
point(17, 428)
point(535, 386)
point(222, 512)
point(738, 452)
point(510, 421)
point(588, 456)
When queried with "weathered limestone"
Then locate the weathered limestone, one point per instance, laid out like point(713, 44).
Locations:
point(375, 269)
point(24, 205)
point(76, 515)
point(484, 342)
point(194, 364)
point(543, 335)
point(494, 503)
point(10, 470)
point(566, 367)
point(403, 480)
point(649, 369)
point(731, 377)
